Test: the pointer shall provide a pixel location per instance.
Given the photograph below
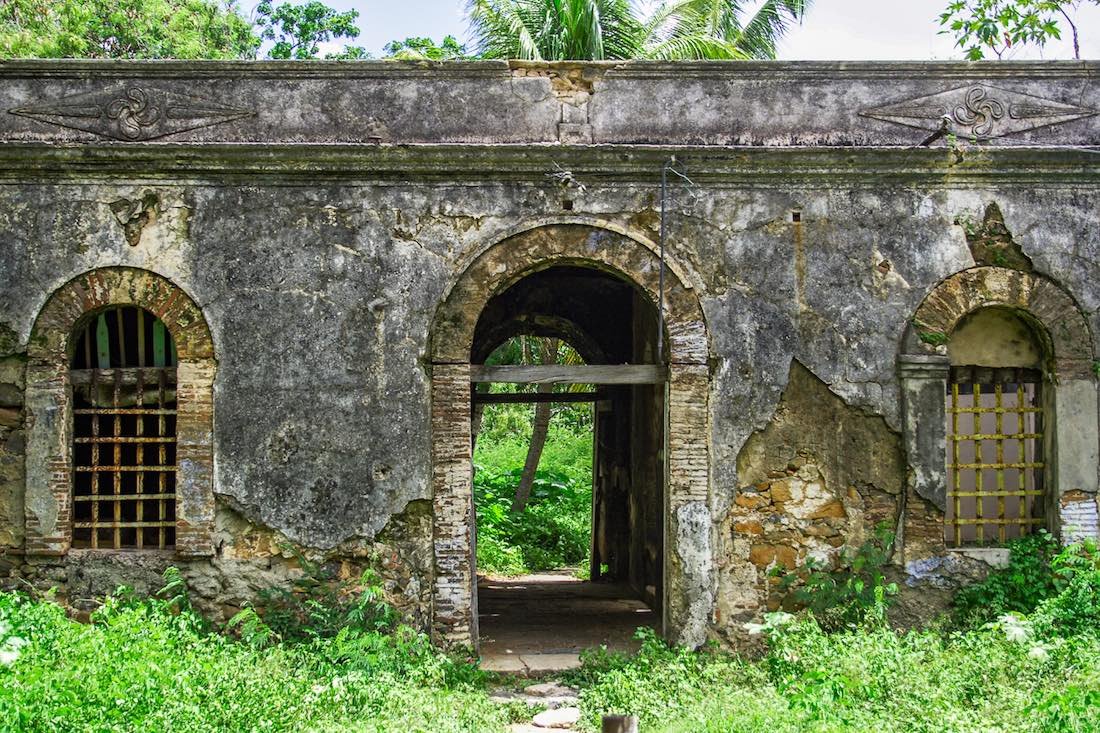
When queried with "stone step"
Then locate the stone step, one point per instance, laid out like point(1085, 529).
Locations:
point(560, 718)
point(527, 665)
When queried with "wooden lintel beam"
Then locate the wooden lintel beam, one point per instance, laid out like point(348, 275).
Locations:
point(587, 374)
point(526, 398)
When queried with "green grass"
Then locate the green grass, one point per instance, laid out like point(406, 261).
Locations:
point(150, 666)
point(867, 680)
point(155, 665)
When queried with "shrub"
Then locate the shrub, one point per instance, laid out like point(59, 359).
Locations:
point(317, 605)
point(854, 593)
point(1028, 580)
point(1075, 609)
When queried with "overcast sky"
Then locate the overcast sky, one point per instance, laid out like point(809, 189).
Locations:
point(833, 29)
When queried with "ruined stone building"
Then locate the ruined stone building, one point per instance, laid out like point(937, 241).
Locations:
point(243, 305)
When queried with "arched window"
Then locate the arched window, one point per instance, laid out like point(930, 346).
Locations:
point(123, 377)
point(995, 463)
point(120, 418)
point(1013, 353)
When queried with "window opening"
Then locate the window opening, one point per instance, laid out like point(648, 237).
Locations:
point(123, 377)
point(994, 462)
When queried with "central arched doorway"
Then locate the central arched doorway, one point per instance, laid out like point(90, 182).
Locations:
point(595, 339)
point(599, 290)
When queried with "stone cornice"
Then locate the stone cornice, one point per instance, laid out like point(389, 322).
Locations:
point(593, 165)
point(778, 104)
point(835, 70)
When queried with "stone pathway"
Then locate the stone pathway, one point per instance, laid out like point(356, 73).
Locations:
point(537, 625)
point(560, 703)
point(528, 665)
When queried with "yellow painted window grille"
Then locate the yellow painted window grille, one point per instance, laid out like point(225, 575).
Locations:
point(994, 455)
point(123, 376)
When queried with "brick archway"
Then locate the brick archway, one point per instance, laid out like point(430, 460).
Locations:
point(1034, 296)
point(49, 404)
point(689, 587)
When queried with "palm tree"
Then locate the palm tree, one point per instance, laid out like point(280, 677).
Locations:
point(553, 30)
point(716, 29)
point(540, 30)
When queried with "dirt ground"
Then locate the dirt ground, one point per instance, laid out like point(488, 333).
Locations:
point(536, 623)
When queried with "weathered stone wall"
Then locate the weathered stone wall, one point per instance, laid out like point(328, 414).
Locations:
point(817, 480)
point(318, 215)
point(248, 561)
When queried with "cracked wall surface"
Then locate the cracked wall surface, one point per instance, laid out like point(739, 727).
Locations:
point(319, 237)
point(817, 480)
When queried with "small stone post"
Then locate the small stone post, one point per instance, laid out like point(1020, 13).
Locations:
point(620, 724)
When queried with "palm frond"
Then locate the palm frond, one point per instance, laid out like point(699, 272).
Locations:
point(770, 23)
point(505, 29)
point(556, 30)
point(694, 47)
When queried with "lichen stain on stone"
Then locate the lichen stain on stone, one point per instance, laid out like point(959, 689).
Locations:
point(991, 243)
point(9, 339)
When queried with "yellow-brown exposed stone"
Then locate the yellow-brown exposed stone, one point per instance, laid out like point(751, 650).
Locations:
point(749, 527)
point(750, 501)
point(834, 509)
point(781, 491)
point(764, 556)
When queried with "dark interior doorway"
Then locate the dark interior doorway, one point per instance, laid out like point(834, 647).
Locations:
point(614, 328)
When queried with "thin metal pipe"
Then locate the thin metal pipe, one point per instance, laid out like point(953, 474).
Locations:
point(661, 271)
point(666, 204)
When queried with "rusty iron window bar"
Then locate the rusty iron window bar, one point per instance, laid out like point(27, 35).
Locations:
point(994, 454)
point(123, 378)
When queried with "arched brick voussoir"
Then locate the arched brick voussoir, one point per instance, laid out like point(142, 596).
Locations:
point(96, 289)
point(516, 256)
point(1064, 325)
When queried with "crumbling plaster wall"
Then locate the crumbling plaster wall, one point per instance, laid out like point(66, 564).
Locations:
point(320, 289)
point(321, 311)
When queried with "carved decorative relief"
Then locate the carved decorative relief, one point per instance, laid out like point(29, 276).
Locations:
point(132, 113)
point(979, 111)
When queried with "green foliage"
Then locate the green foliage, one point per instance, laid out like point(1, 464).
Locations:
point(654, 684)
point(855, 680)
point(998, 26)
point(933, 338)
point(852, 594)
point(318, 605)
point(125, 29)
point(148, 664)
point(1020, 587)
point(152, 664)
point(554, 529)
point(298, 30)
point(425, 49)
point(555, 30)
point(552, 532)
point(1075, 609)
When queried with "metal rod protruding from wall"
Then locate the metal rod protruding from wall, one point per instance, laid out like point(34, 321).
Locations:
point(661, 272)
